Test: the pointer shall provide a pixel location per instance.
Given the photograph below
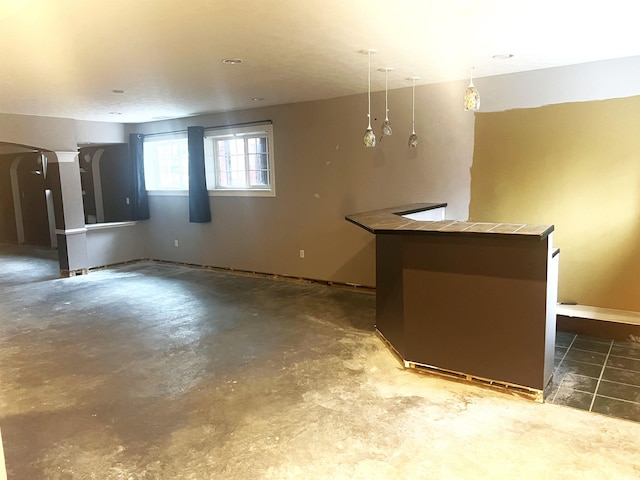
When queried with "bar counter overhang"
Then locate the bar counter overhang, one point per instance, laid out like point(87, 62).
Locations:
point(468, 299)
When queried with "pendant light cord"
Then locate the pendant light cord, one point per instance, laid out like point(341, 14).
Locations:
point(369, 91)
point(386, 96)
point(413, 108)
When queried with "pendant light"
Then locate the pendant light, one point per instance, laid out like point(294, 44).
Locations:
point(471, 96)
point(413, 138)
point(386, 126)
point(369, 139)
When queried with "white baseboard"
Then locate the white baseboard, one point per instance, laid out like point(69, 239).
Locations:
point(598, 313)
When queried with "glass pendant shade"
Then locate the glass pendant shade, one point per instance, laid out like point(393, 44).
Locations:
point(471, 96)
point(386, 128)
point(369, 139)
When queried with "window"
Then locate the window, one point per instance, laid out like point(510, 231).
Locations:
point(166, 162)
point(239, 161)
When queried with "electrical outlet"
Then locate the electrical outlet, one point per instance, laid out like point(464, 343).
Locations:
point(301, 253)
point(126, 200)
point(175, 243)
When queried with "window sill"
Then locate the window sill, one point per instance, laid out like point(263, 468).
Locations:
point(213, 193)
point(168, 193)
point(242, 193)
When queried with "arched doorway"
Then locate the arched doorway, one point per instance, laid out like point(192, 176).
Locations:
point(25, 201)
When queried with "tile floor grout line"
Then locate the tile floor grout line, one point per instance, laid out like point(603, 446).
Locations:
point(619, 399)
point(585, 363)
point(589, 351)
point(593, 400)
point(602, 341)
point(625, 369)
point(562, 360)
point(628, 358)
point(621, 383)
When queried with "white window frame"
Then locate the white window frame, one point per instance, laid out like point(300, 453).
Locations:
point(178, 191)
point(211, 135)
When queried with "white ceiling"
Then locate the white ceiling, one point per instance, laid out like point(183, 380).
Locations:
point(64, 58)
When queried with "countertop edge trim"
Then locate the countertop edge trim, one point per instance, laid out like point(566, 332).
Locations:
point(414, 208)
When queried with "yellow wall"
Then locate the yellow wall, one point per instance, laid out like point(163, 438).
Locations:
point(576, 166)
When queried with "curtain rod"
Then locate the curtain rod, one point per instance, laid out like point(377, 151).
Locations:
point(216, 127)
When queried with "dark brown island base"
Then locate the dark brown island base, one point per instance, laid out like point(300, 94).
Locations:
point(472, 300)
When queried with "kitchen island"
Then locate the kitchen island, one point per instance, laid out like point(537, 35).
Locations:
point(468, 299)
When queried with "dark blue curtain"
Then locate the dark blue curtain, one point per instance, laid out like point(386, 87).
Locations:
point(199, 209)
point(140, 207)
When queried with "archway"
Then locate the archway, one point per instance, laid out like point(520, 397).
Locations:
point(25, 199)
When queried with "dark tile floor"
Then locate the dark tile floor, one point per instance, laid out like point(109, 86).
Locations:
point(597, 375)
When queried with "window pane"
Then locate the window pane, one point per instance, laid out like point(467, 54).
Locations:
point(259, 178)
point(239, 159)
point(258, 161)
point(166, 164)
point(259, 170)
point(257, 145)
point(231, 163)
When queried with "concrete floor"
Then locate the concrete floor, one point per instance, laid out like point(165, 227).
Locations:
point(152, 371)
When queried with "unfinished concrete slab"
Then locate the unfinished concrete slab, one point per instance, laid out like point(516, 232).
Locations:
point(152, 371)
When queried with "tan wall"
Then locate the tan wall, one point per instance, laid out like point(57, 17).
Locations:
point(323, 173)
point(576, 166)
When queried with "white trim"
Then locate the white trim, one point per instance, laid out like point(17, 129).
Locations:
point(71, 231)
point(97, 184)
point(3, 468)
point(223, 192)
point(51, 216)
point(240, 131)
point(214, 193)
point(168, 193)
point(102, 226)
point(63, 157)
point(599, 313)
point(17, 204)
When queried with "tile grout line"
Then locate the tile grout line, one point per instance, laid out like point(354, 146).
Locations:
point(628, 358)
point(604, 365)
point(626, 370)
point(562, 360)
point(620, 400)
point(624, 384)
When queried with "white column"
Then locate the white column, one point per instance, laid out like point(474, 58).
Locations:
point(66, 187)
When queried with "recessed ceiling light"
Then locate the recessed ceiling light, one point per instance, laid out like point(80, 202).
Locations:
point(503, 56)
point(231, 61)
point(257, 99)
point(117, 91)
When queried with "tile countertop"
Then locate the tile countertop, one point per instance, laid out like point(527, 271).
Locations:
point(390, 220)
